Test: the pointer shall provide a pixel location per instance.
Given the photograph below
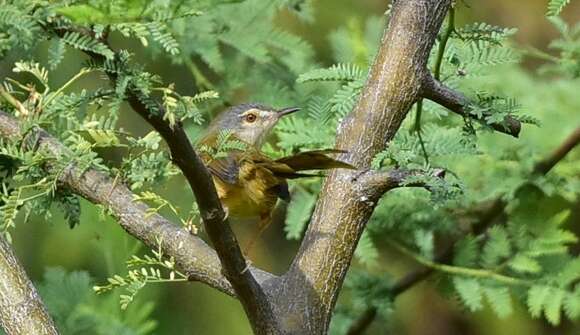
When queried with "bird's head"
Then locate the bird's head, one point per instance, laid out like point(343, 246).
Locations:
point(250, 123)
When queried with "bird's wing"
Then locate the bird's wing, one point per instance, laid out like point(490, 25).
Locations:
point(226, 169)
point(314, 160)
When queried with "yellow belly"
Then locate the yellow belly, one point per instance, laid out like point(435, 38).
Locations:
point(245, 201)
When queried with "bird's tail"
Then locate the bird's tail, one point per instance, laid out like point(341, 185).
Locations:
point(314, 160)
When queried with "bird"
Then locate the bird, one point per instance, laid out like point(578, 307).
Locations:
point(248, 182)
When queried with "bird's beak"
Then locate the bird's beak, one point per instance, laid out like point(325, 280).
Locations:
point(287, 111)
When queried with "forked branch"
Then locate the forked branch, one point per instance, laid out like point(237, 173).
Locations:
point(392, 87)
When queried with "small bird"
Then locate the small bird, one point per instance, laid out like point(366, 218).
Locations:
point(248, 182)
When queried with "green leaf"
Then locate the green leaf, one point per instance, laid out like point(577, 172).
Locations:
point(339, 72)
point(366, 252)
point(572, 304)
point(56, 52)
point(87, 43)
point(553, 305)
point(469, 291)
point(33, 68)
point(466, 252)
point(524, 264)
point(555, 7)
point(497, 247)
point(560, 218)
point(537, 297)
point(298, 213)
point(83, 14)
point(63, 292)
point(499, 300)
point(424, 239)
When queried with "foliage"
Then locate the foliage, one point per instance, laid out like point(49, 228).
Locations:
point(555, 7)
point(237, 51)
point(69, 299)
point(515, 261)
point(143, 270)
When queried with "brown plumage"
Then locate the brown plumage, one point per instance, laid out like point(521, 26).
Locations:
point(248, 182)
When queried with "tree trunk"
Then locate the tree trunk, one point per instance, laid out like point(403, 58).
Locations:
point(308, 292)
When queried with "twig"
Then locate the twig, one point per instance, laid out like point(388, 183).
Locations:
point(247, 289)
point(545, 165)
point(81, 73)
point(443, 44)
point(417, 129)
point(436, 73)
point(457, 270)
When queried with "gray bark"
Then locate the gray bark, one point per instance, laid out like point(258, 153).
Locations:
point(21, 309)
point(345, 206)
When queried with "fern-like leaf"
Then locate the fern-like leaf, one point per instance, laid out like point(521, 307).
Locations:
point(86, 43)
point(499, 300)
point(337, 72)
point(469, 291)
point(298, 213)
point(366, 251)
point(555, 7)
point(56, 52)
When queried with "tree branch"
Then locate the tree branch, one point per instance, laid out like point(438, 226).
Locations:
point(392, 87)
point(544, 166)
point(373, 184)
point(21, 309)
point(247, 288)
point(492, 212)
point(456, 102)
point(192, 255)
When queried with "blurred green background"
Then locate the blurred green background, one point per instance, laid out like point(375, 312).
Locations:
point(100, 246)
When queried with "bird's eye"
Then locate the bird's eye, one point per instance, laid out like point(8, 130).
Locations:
point(251, 117)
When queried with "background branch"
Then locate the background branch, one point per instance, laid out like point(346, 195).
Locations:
point(493, 211)
point(456, 102)
point(21, 309)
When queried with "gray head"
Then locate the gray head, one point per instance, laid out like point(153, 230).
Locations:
point(250, 122)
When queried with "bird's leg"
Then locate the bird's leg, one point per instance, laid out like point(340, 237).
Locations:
point(265, 220)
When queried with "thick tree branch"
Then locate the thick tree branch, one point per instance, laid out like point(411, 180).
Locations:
point(193, 256)
point(392, 87)
point(456, 102)
point(21, 309)
point(490, 214)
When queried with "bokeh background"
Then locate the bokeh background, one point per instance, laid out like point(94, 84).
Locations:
point(98, 245)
